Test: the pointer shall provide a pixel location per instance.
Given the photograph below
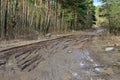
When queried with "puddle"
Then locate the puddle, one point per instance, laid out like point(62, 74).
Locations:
point(97, 69)
point(103, 70)
point(81, 64)
point(69, 51)
point(75, 74)
point(87, 55)
point(95, 65)
point(99, 30)
point(87, 61)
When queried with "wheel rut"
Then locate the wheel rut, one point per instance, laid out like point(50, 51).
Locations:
point(65, 58)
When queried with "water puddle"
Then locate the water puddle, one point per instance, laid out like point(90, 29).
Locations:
point(102, 69)
point(88, 67)
point(97, 69)
point(99, 30)
point(86, 55)
point(75, 74)
point(82, 64)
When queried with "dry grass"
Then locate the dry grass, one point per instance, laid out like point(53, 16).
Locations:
point(111, 58)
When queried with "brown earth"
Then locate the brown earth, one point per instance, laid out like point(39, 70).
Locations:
point(71, 57)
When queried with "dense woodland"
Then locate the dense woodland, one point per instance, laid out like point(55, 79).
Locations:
point(28, 18)
point(111, 11)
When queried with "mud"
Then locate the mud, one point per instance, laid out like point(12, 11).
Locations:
point(66, 58)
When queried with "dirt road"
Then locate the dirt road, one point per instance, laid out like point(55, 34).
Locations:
point(66, 58)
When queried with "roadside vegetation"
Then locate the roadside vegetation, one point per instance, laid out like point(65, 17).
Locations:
point(29, 18)
point(109, 12)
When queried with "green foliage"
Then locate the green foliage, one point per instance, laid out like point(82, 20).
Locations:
point(84, 10)
point(112, 13)
point(43, 16)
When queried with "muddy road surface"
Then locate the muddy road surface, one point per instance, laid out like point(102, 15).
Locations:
point(65, 58)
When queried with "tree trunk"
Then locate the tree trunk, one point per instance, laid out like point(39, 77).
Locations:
point(6, 19)
point(48, 14)
point(23, 4)
point(0, 19)
point(40, 2)
point(14, 21)
point(35, 3)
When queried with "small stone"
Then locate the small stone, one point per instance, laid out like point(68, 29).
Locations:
point(69, 51)
point(109, 49)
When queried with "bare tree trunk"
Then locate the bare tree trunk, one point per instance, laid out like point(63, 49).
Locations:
point(5, 21)
point(41, 3)
point(26, 16)
point(62, 20)
point(35, 3)
point(75, 22)
point(48, 24)
point(0, 18)
point(39, 24)
point(23, 4)
point(48, 14)
point(14, 21)
point(40, 16)
point(56, 14)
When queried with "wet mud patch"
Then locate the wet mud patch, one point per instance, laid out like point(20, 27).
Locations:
point(109, 60)
point(69, 58)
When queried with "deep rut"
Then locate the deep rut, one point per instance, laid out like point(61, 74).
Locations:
point(31, 55)
point(65, 58)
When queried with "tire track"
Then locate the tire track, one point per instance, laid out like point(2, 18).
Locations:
point(29, 56)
